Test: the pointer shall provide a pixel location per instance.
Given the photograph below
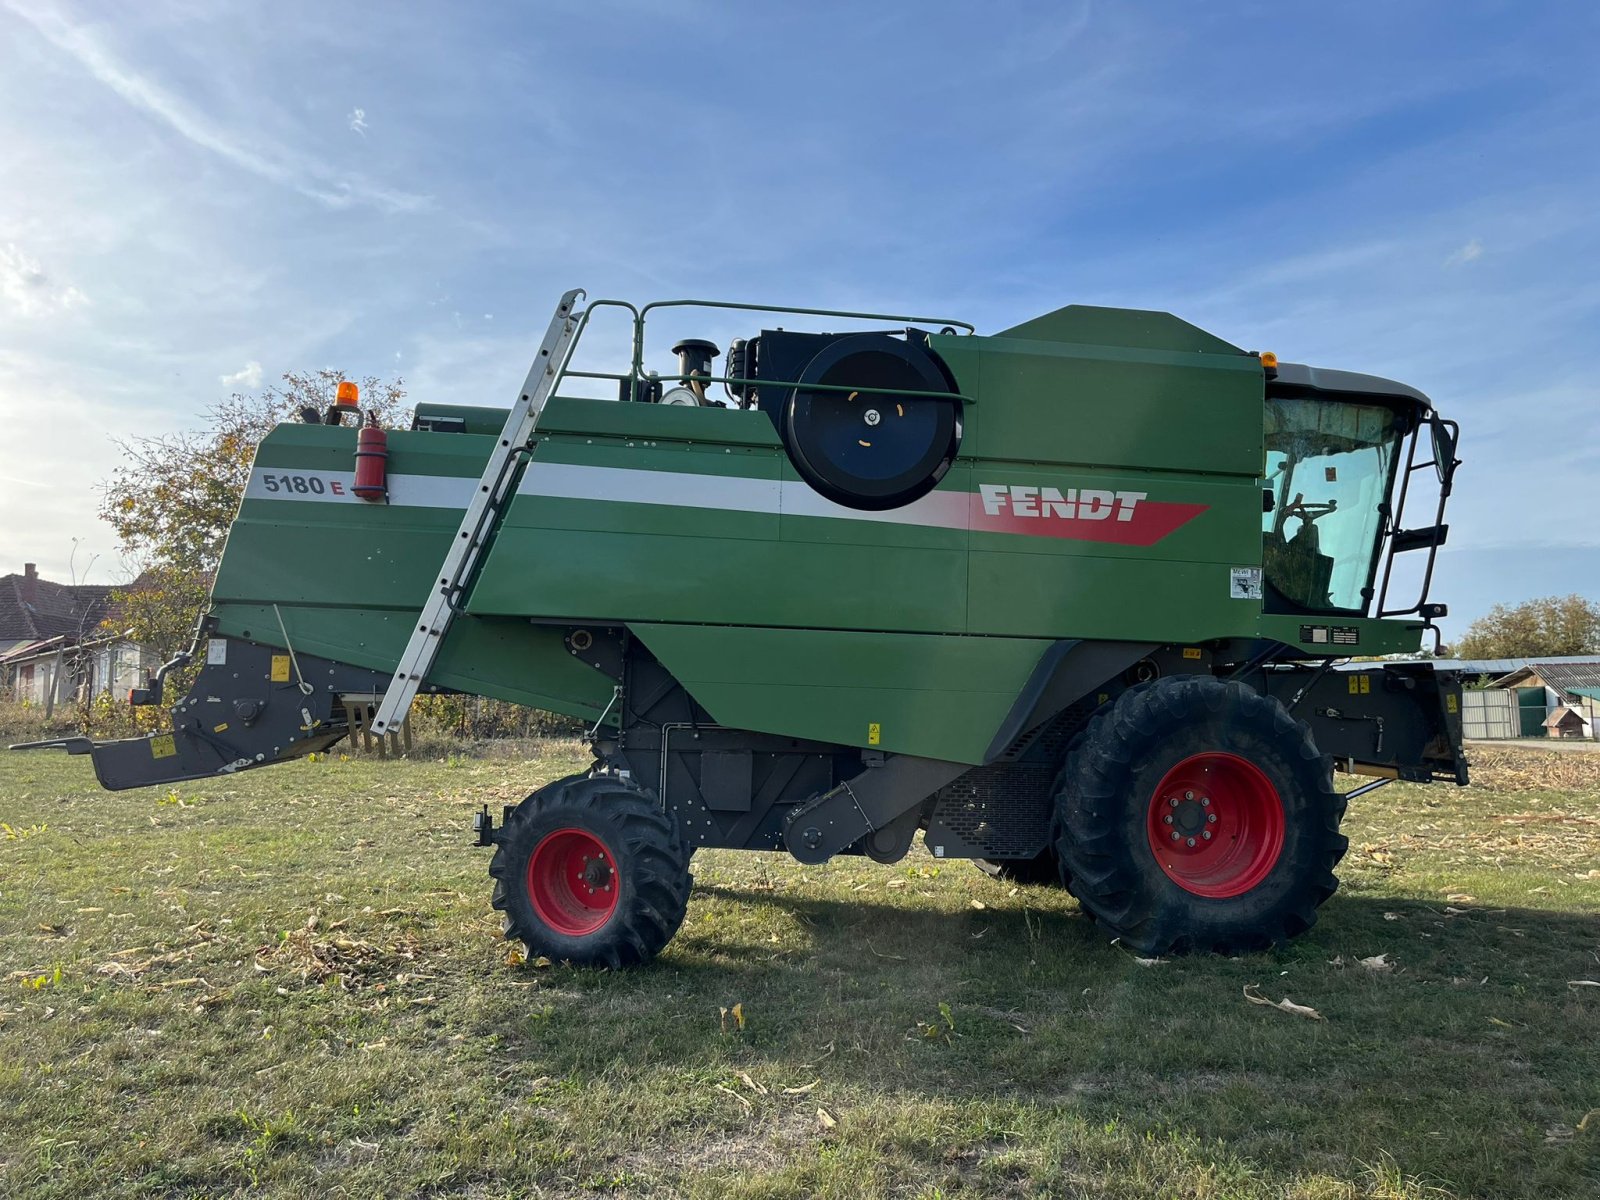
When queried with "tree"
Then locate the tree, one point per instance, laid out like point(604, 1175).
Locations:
point(172, 500)
point(1548, 626)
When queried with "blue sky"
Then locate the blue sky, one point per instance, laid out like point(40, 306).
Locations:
point(198, 197)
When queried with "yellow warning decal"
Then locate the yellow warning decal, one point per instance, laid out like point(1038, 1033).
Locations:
point(1191, 651)
point(874, 734)
point(280, 668)
point(162, 747)
point(1355, 685)
point(223, 728)
point(1450, 704)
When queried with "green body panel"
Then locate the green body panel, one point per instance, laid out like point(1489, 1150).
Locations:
point(1092, 325)
point(347, 578)
point(504, 659)
point(781, 612)
point(1144, 410)
point(939, 697)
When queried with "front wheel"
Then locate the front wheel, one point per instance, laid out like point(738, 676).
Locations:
point(589, 870)
point(1197, 815)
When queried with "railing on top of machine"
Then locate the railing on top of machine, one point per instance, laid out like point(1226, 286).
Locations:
point(636, 374)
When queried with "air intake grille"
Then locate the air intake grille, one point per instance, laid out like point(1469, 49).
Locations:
point(998, 811)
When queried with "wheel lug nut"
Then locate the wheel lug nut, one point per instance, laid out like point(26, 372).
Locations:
point(1205, 801)
point(1191, 841)
point(1173, 802)
point(1176, 835)
point(1188, 795)
point(1206, 834)
point(1211, 818)
point(1167, 818)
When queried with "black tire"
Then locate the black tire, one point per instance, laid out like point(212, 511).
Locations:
point(1258, 879)
point(1044, 868)
point(589, 870)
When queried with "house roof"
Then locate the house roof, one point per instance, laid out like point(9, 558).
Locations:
point(41, 648)
point(57, 609)
point(1562, 674)
point(1496, 667)
point(1588, 693)
point(1561, 716)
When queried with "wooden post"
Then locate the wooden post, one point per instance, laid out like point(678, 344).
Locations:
point(55, 682)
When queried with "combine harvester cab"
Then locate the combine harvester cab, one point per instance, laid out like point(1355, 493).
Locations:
point(1077, 600)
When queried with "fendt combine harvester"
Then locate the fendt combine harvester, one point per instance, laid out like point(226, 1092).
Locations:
point(1066, 600)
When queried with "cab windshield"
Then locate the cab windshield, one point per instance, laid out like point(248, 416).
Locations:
point(1329, 467)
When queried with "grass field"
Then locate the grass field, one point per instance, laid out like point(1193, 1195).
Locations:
point(291, 983)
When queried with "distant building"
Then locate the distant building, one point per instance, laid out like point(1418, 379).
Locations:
point(1545, 689)
point(55, 646)
point(1565, 723)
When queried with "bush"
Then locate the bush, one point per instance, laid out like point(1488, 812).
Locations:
point(22, 721)
point(449, 721)
point(474, 718)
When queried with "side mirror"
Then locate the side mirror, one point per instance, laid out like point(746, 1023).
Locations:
point(1444, 435)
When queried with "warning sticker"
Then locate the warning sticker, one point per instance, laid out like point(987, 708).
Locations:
point(874, 734)
point(1244, 583)
point(216, 652)
point(280, 668)
point(162, 747)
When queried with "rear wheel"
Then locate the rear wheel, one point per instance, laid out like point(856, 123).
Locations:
point(1197, 815)
point(589, 870)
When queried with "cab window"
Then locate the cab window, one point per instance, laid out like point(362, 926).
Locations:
point(1329, 465)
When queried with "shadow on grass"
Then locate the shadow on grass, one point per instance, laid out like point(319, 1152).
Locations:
point(1398, 927)
point(1451, 1056)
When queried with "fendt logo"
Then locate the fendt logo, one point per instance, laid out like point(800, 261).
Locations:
point(1087, 505)
point(1080, 514)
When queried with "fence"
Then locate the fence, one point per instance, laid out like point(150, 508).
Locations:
point(1487, 713)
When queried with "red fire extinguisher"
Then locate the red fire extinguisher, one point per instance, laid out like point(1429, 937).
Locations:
point(372, 452)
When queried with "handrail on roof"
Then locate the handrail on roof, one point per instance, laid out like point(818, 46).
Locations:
point(640, 315)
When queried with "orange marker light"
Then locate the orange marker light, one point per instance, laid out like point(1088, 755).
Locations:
point(348, 395)
point(1268, 360)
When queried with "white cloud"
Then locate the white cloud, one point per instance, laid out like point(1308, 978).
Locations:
point(1467, 253)
point(277, 164)
point(358, 121)
point(28, 291)
point(248, 377)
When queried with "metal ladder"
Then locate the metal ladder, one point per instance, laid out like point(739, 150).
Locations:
point(477, 523)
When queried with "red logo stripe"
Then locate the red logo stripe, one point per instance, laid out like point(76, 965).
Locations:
point(1151, 520)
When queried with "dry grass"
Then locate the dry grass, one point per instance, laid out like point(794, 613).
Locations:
point(290, 983)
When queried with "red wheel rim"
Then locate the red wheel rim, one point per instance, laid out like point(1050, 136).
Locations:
point(572, 881)
point(1216, 825)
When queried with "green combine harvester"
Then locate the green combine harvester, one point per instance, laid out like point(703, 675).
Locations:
point(1068, 600)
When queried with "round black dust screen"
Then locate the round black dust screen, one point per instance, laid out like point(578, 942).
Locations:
point(865, 447)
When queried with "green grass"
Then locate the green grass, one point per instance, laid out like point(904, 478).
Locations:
point(291, 983)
